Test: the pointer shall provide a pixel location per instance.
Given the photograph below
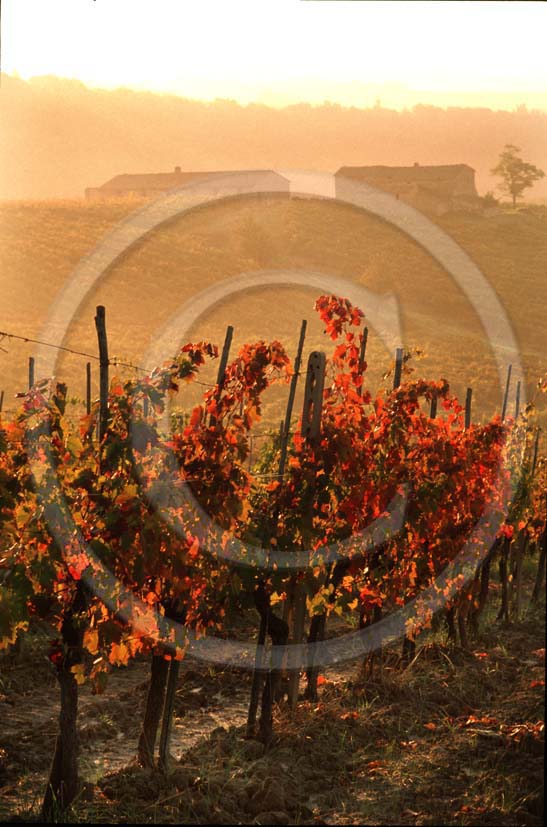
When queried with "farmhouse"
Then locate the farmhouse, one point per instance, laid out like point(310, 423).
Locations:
point(431, 189)
point(154, 184)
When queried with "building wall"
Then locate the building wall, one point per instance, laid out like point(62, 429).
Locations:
point(465, 183)
point(427, 202)
point(433, 197)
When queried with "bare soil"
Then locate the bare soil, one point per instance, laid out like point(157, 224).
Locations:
point(456, 738)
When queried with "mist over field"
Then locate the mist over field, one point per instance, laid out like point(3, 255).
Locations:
point(105, 133)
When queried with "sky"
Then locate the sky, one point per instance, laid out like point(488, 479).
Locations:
point(284, 51)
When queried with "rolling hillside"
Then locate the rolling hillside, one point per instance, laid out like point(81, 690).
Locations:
point(42, 242)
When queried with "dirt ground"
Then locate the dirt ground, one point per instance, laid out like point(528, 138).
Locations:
point(456, 738)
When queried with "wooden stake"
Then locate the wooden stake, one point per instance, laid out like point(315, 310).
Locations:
point(167, 720)
point(313, 398)
point(433, 411)
point(506, 394)
point(517, 400)
point(398, 368)
point(468, 398)
point(59, 397)
point(100, 324)
point(311, 431)
point(364, 340)
point(535, 456)
point(540, 572)
point(290, 400)
point(88, 388)
point(222, 366)
point(259, 674)
point(224, 356)
point(1, 400)
point(30, 372)
point(522, 546)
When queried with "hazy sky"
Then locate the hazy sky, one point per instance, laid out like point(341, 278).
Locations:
point(281, 51)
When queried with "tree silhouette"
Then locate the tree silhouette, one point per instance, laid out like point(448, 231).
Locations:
point(517, 175)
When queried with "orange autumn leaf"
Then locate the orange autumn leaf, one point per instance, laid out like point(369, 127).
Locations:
point(119, 654)
point(91, 641)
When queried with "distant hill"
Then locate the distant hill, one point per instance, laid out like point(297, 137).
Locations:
point(59, 137)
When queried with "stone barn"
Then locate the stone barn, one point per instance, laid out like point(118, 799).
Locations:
point(154, 184)
point(431, 189)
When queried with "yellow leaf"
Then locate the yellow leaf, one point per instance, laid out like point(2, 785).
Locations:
point(276, 598)
point(91, 641)
point(79, 673)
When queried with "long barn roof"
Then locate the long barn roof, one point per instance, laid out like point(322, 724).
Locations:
point(416, 173)
point(166, 180)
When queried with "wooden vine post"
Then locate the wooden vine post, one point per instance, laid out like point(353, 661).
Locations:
point(261, 601)
point(464, 609)
point(398, 368)
point(153, 710)
point(30, 372)
point(171, 679)
point(63, 782)
point(167, 718)
point(88, 388)
point(311, 432)
point(468, 401)
point(523, 540)
point(506, 394)
point(540, 574)
point(319, 621)
point(503, 613)
point(519, 547)
point(535, 456)
point(363, 349)
point(222, 366)
point(100, 324)
point(290, 401)
point(516, 583)
point(168, 674)
point(171, 670)
point(409, 644)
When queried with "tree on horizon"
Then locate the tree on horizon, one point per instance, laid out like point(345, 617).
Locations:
point(517, 175)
